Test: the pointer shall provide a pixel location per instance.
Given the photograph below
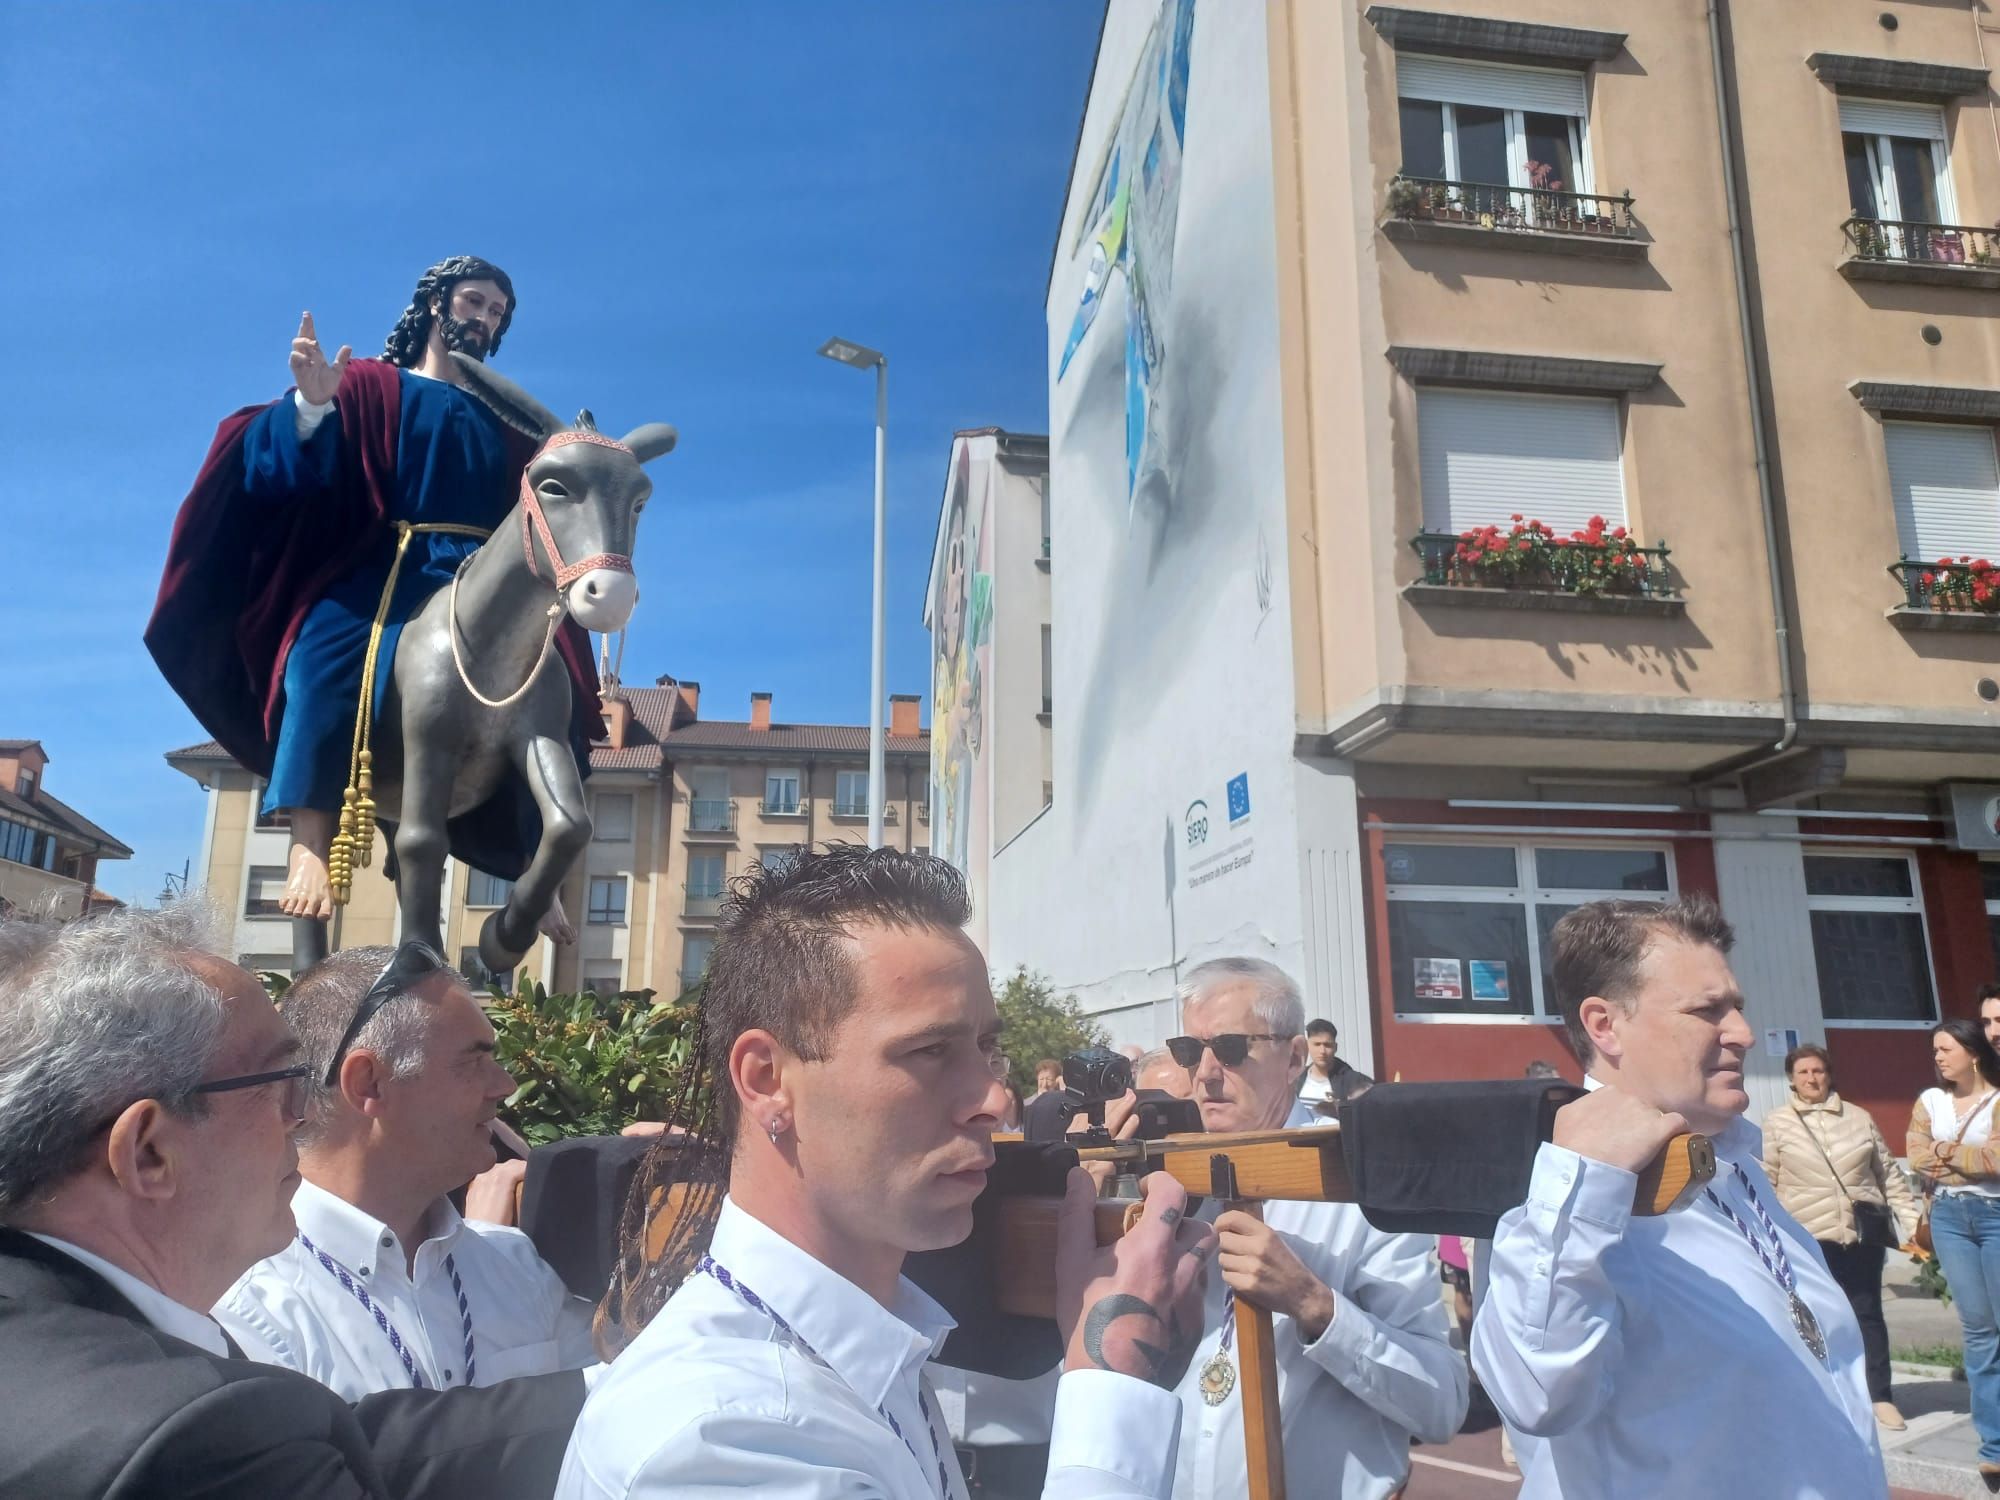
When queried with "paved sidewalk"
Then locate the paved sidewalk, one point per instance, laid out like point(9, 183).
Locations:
point(1939, 1454)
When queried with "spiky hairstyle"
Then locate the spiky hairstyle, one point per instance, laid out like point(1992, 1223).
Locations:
point(406, 341)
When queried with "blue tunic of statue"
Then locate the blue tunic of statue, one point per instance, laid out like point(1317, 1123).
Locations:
point(452, 467)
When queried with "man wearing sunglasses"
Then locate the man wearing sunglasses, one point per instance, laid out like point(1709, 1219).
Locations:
point(385, 1286)
point(1365, 1362)
point(148, 1095)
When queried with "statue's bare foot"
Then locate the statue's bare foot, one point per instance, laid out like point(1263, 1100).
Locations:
point(307, 890)
point(556, 924)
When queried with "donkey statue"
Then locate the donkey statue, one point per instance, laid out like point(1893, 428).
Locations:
point(472, 699)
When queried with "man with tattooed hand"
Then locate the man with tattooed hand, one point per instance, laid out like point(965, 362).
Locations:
point(1365, 1361)
point(772, 1344)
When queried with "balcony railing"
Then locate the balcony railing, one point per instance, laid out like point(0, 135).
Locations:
point(1550, 566)
point(1923, 244)
point(702, 904)
point(797, 809)
point(1968, 587)
point(711, 815)
point(1486, 205)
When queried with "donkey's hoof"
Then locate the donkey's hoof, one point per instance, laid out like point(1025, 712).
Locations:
point(502, 945)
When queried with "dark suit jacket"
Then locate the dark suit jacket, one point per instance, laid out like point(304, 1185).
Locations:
point(97, 1404)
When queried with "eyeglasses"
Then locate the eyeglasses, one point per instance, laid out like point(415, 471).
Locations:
point(295, 1079)
point(1230, 1048)
point(1000, 1064)
point(414, 960)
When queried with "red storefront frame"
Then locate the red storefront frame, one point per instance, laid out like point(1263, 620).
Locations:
point(1882, 1069)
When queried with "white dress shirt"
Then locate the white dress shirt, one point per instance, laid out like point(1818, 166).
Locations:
point(713, 1400)
point(291, 1310)
point(1350, 1401)
point(1657, 1357)
point(154, 1305)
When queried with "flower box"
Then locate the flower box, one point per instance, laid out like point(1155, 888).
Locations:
point(1597, 560)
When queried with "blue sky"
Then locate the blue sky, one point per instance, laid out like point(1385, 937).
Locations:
point(690, 197)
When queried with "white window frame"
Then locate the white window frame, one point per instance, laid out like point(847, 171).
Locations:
point(767, 852)
point(477, 881)
point(686, 942)
point(1881, 157)
point(1517, 147)
point(797, 780)
point(251, 882)
point(617, 981)
point(599, 801)
point(845, 803)
point(624, 907)
point(1905, 513)
point(1913, 903)
point(722, 876)
point(1527, 896)
point(1434, 484)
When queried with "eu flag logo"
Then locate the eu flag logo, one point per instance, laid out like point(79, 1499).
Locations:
point(1239, 798)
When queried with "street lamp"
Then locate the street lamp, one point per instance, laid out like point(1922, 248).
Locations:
point(861, 357)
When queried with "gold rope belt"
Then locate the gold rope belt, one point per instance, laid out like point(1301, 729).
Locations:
point(354, 846)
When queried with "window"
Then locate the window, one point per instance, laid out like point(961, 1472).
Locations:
point(695, 951)
point(709, 807)
point(1042, 485)
point(1469, 924)
point(1896, 168)
point(603, 982)
point(1868, 938)
point(611, 817)
point(17, 842)
point(1493, 125)
point(479, 976)
point(1945, 486)
point(266, 963)
point(277, 817)
point(778, 856)
point(850, 794)
point(1989, 876)
point(1486, 456)
point(24, 780)
point(781, 791)
point(482, 889)
point(261, 892)
point(1048, 670)
point(607, 901)
point(705, 874)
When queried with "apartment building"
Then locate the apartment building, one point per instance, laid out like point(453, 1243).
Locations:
point(1690, 308)
point(49, 852)
point(678, 806)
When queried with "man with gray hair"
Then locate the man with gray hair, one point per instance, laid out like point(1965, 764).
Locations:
point(148, 1095)
point(386, 1285)
point(1365, 1362)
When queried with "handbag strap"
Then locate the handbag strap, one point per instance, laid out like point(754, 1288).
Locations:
point(1806, 1126)
point(1930, 1183)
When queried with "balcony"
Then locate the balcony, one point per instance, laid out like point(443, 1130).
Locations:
point(28, 891)
point(702, 905)
point(1530, 568)
point(711, 816)
point(1433, 210)
point(1929, 254)
point(798, 809)
point(1946, 595)
point(857, 808)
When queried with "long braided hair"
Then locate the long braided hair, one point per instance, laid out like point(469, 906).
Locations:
point(782, 963)
point(406, 341)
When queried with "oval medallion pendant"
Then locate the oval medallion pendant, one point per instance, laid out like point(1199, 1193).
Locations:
point(1810, 1333)
point(1218, 1379)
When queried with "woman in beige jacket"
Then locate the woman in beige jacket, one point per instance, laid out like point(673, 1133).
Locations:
point(1823, 1156)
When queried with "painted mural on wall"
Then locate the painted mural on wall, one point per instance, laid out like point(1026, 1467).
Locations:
point(961, 666)
point(1173, 692)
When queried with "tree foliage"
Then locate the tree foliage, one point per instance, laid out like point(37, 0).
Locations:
point(1036, 1022)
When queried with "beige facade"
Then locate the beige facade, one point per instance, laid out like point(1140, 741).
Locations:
point(630, 898)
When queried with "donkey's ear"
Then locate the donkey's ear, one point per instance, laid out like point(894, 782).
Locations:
point(652, 440)
point(508, 401)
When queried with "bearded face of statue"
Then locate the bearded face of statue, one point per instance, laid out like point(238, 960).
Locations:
point(472, 319)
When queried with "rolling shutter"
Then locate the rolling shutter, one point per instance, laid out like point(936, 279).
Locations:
point(1922, 122)
point(1486, 455)
point(1496, 85)
point(1946, 488)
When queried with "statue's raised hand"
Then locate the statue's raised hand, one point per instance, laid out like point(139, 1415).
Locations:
point(316, 379)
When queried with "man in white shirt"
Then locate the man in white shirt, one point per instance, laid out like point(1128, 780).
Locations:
point(1327, 1075)
point(852, 1048)
point(384, 1286)
point(1365, 1362)
point(1705, 1352)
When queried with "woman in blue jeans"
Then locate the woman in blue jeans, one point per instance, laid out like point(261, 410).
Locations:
point(1955, 1147)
